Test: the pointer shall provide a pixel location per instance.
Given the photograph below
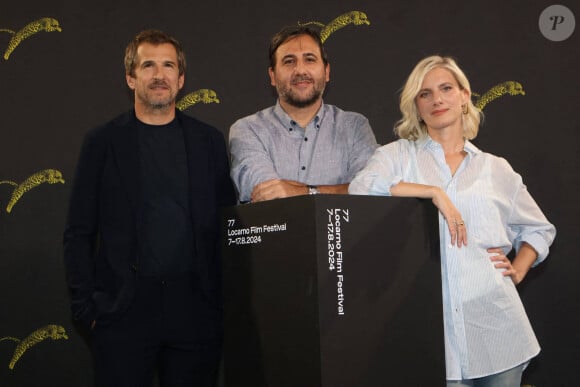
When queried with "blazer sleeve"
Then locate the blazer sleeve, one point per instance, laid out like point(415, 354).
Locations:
point(81, 230)
point(226, 194)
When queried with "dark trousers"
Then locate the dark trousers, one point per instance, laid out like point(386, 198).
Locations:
point(169, 329)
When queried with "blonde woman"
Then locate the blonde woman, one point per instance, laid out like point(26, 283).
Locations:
point(485, 212)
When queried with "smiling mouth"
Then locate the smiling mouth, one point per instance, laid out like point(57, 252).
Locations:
point(302, 81)
point(159, 86)
point(439, 112)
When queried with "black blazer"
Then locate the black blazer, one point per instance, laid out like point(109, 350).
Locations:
point(102, 234)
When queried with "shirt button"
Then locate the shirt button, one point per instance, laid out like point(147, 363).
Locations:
point(290, 129)
point(303, 168)
point(305, 138)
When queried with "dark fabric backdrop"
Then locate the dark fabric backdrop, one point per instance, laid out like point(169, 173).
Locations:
point(57, 85)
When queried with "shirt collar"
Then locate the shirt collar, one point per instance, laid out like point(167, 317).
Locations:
point(428, 142)
point(470, 148)
point(289, 122)
point(425, 142)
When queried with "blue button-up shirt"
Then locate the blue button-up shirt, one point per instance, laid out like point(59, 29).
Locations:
point(486, 328)
point(268, 145)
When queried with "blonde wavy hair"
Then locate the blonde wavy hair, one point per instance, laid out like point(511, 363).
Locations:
point(410, 126)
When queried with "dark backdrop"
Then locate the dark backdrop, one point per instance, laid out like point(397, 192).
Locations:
point(57, 85)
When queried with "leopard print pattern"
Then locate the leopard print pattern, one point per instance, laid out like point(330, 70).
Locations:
point(54, 332)
point(356, 18)
point(50, 176)
point(45, 24)
point(201, 95)
point(509, 87)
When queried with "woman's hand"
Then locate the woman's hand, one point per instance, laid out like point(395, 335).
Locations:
point(455, 223)
point(457, 227)
point(521, 264)
point(501, 262)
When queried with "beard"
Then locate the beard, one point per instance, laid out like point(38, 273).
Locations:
point(149, 99)
point(291, 97)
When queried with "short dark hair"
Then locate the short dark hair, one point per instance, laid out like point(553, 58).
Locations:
point(154, 37)
point(291, 32)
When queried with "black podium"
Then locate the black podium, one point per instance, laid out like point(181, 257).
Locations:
point(333, 291)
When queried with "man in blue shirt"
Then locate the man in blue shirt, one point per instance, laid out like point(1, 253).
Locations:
point(300, 145)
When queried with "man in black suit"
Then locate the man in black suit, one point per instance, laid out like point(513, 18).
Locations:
point(141, 244)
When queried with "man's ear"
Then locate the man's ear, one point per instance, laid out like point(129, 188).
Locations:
point(272, 76)
point(130, 81)
point(181, 81)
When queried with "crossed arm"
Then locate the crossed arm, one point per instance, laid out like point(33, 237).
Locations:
point(280, 188)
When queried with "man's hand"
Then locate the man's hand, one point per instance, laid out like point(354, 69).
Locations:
point(276, 189)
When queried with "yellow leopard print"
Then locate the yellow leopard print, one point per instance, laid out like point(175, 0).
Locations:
point(50, 176)
point(356, 18)
point(201, 95)
point(45, 24)
point(508, 87)
point(54, 332)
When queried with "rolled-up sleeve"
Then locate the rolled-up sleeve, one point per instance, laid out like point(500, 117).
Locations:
point(380, 174)
point(527, 223)
point(251, 162)
point(364, 146)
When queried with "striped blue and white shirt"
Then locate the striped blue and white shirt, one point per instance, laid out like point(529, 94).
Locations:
point(268, 145)
point(486, 327)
